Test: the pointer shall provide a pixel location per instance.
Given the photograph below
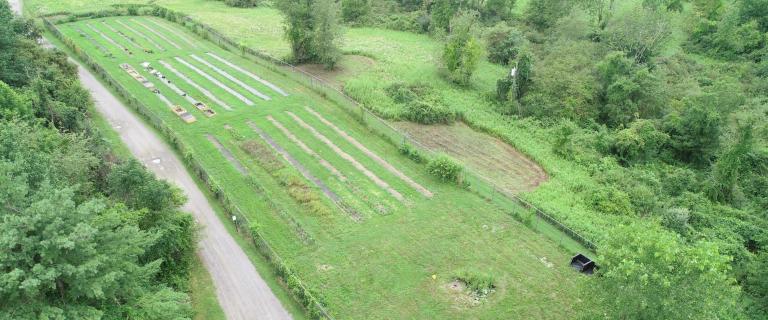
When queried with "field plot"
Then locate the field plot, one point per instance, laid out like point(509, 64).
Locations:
point(365, 227)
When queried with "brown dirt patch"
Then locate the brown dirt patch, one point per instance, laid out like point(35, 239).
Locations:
point(487, 156)
point(349, 66)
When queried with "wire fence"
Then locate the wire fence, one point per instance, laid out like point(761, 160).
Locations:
point(478, 183)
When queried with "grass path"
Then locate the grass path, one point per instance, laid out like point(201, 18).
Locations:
point(174, 32)
point(307, 149)
point(372, 155)
point(141, 34)
point(216, 82)
point(227, 154)
point(231, 78)
point(378, 181)
point(195, 85)
point(159, 35)
point(247, 73)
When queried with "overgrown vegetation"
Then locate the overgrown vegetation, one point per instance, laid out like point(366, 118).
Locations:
point(84, 236)
point(445, 169)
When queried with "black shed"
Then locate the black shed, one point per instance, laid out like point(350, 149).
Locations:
point(583, 264)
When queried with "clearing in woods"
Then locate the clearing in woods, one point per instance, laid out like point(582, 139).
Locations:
point(409, 239)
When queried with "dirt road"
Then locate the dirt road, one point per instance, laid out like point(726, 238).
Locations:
point(241, 291)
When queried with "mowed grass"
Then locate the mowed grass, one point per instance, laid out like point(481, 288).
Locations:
point(380, 267)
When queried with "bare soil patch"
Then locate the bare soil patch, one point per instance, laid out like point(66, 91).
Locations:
point(378, 181)
point(487, 156)
point(373, 155)
point(227, 154)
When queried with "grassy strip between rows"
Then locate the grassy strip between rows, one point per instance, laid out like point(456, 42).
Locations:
point(301, 293)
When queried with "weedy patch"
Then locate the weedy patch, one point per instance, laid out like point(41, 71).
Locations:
point(470, 289)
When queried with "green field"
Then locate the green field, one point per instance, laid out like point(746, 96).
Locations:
point(365, 249)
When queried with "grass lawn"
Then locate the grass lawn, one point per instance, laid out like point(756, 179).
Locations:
point(400, 259)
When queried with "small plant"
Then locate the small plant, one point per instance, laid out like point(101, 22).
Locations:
point(411, 152)
point(445, 168)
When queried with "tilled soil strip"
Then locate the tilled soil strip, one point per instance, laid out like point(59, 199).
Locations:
point(372, 155)
point(216, 82)
point(303, 170)
point(247, 73)
point(306, 149)
point(378, 181)
point(141, 34)
point(231, 78)
point(178, 34)
point(195, 85)
point(156, 33)
point(106, 37)
point(122, 35)
point(227, 154)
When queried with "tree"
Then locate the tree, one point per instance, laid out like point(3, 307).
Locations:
point(602, 10)
point(504, 43)
point(648, 273)
point(640, 34)
point(312, 27)
point(694, 132)
point(462, 50)
point(543, 14)
point(353, 10)
point(629, 91)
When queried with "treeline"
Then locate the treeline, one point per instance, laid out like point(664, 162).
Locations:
point(83, 235)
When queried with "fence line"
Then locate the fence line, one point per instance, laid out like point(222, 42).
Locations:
point(310, 300)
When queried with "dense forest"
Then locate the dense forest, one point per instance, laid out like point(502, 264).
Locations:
point(663, 102)
point(83, 234)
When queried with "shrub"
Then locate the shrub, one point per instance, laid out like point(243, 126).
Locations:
point(411, 152)
point(445, 169)
point(242, 3)
point(420, 103)
point(427, 112)
point(354, 10)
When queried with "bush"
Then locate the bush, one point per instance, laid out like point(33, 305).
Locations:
point(242, 3)
point(445, 169)
point(420, 104)
point(480, 283)
point(354, 10)
point(426, 112)
point(411, 152)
